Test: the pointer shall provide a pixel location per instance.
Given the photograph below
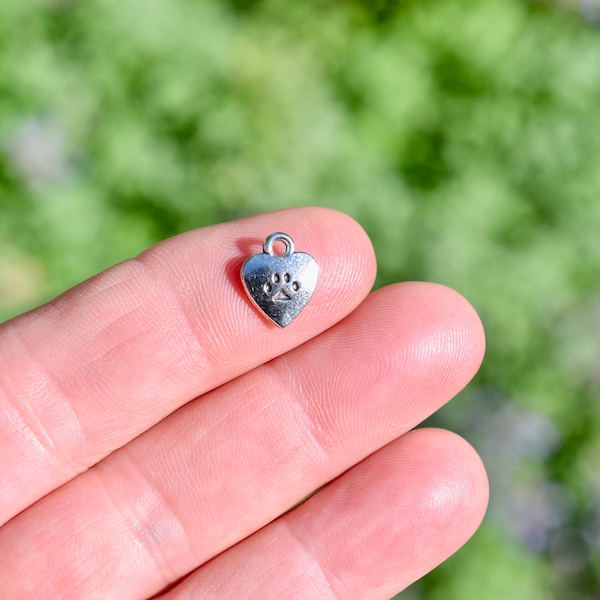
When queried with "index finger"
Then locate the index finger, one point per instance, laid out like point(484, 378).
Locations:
point(91, 370)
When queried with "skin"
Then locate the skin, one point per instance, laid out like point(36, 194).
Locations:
point(155, 429)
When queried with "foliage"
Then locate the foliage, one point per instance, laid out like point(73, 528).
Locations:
point(464, 136)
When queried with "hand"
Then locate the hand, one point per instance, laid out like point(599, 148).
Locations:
point(154, 428)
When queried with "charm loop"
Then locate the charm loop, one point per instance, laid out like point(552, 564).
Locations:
point(282, 237)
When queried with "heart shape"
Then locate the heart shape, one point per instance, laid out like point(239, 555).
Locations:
point(280, 286)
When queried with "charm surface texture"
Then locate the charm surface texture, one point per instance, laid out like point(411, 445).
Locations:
point(280, 285)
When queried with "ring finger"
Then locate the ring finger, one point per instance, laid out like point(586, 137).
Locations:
point(369, 534)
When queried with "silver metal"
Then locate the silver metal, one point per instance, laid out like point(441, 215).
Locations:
point(283, 237)
point(280, 285)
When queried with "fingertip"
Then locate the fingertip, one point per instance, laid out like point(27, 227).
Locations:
point(395, 516)
point(455, 493)
point(442, 334)
point(427, 494)
point(468, 328)
point(201, 269)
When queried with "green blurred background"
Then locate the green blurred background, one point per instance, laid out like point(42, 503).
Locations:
point(463, 135)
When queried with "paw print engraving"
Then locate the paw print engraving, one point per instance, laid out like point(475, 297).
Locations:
point(280, 287)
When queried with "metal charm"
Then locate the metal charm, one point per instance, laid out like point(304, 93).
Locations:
point(280, 285)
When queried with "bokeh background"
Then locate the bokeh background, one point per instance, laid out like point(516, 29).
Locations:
point(463, 135)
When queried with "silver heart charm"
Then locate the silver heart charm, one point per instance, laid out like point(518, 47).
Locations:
point(280, 285)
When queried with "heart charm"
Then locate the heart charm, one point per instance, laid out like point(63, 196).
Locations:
point(280, 285)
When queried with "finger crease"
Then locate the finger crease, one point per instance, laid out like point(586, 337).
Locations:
point(204, 361)
point(152, 522)
point(326, 580)
point(46, 393)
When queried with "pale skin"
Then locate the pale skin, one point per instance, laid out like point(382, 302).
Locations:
point(155, 429)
